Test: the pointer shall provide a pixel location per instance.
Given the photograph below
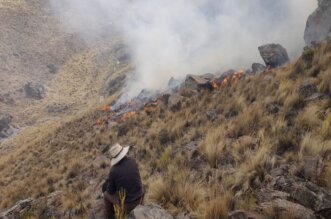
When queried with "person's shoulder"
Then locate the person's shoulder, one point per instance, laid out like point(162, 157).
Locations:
point(131, 160)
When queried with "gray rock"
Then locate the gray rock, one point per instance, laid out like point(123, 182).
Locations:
point(274, 55)
point(306, 193)
point(208, 76)
point(150, 211)
point(280, 171)
point(97, 212)
point(175, 102)
point(17, 210)
point(52, 68)
point(318, 26)
point(34, 90)
point(312, 167)
point(258, 68)
point(241, 214)
point(212, 114)
point(272, 108)
point(6, 98)
point(316, 97)
point(197, 82)
point(267, 195)
point(284, 208)
point(183, 216)
point(5, 121)
point(307, 89)
point(223, 75)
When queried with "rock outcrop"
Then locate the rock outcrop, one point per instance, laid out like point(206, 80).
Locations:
point(34, 90)
point(306, 194)
point(150, 211)
point(287, 209)
point(197, 82)
point(318, 26)
point(6, 98)
point(45, 207)
point(274, 55)
point(21, 207)
point(5, 129)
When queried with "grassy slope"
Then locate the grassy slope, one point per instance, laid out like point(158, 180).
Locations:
point(237, 152)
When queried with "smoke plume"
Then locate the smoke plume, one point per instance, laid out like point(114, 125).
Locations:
point(177, 37)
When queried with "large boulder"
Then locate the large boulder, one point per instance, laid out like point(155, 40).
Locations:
point(197, 82)
point(150, 211)
point(16, 211)
point(44, 207)
point(286, 209)
point(318, 26)
point(274, 55)
point(5, 129)
point(34, 90)
point(306, 193)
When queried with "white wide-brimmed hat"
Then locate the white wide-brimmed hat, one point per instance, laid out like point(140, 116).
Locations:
point(117, 153)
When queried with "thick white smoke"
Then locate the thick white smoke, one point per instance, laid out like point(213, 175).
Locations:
point(177, 37)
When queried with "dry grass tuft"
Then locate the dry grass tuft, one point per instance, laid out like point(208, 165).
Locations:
point(176, 192)
point(326, 127)
point(213, 145)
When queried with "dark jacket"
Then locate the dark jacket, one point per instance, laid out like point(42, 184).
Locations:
point(125, 175)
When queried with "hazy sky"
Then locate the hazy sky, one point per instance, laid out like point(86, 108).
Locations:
point(178, 37)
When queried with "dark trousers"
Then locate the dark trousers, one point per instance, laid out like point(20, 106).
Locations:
point(128, 207)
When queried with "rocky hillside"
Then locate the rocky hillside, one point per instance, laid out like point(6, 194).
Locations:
point(48, 73)
point(257, 146)
point(243, 144)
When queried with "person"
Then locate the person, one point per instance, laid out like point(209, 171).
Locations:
point(124, 177)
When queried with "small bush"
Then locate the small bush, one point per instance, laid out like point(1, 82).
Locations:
point(217, 208)
point(308, 55)
point(285, 144)
point(164, 136)
point(122, 130)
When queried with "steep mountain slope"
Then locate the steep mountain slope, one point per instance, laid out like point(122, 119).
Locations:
point(35, 48)
point(265, 129)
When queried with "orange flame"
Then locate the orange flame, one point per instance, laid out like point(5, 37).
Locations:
point(152, 106)
point(127, 116)
point(99, 121)
point(237, 76)
point(105, 108)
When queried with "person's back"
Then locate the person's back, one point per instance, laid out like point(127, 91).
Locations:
point(125, 175)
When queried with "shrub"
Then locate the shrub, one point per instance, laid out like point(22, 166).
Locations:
point(164, 136)
point(308, 55)
point(217, 208)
